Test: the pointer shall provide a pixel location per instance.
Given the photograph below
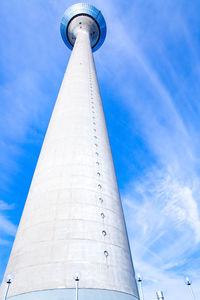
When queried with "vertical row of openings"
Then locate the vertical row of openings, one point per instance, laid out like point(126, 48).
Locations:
point(97, 162)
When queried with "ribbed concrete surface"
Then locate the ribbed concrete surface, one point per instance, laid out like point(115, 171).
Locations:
point(73, 198)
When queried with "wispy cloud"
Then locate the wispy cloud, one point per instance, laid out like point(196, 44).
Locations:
point(6, 206)
point(150, 90)
point(6, 226)
point(163, 216)
point(162, 206)
point(150, 64)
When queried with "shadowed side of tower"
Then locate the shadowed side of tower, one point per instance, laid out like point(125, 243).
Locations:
point(73, 219)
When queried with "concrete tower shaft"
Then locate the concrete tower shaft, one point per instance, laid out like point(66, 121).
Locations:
point(73, 219)
point(83, 24)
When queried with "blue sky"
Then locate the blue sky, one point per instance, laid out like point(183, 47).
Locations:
point(149, 76)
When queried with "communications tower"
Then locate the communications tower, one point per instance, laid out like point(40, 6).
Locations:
point(73, 219)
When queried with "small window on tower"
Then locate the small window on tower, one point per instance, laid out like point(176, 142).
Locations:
point(106, 253)
point(102, 215)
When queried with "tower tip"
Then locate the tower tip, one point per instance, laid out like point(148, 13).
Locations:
point(97, 26)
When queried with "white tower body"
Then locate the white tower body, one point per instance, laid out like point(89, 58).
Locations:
point(73, 219)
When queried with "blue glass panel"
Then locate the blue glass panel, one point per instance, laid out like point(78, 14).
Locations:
point(83, 8)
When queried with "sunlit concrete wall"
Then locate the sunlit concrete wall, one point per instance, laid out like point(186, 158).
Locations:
point(73, 219)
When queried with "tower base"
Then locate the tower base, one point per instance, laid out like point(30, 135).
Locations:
point(69, 294)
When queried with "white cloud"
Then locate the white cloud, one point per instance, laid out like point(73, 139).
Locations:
point(4, 242)
point(172, 285)
point(6, 226)
point(164, 227)
point(5, 206)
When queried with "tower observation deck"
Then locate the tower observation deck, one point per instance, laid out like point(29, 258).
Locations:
point(73, 219)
